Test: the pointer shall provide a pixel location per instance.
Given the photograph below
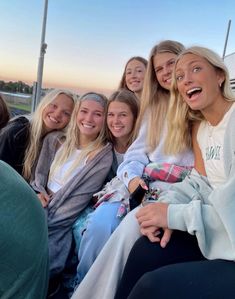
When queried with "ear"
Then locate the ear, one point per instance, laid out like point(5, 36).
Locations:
point(220, 77)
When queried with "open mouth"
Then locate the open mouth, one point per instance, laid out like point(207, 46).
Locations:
point(117, 128)
point(87, 126)
point(167, 81)
point(194, 91)
point(53, 119)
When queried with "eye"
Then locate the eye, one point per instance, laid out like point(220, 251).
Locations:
point(98, 114)
point(196, 69)
point(67, 113)
point(110, 114)
point(172, 62)
point(158, 70)
point(179, 78)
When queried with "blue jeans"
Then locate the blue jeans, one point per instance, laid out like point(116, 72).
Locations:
point(100, 225)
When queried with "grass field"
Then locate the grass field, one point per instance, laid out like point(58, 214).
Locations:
point(20, 107)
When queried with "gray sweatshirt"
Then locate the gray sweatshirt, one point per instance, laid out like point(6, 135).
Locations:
point(66, 204)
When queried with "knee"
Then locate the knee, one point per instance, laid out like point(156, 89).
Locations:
point(97, 224)
point(149, 286)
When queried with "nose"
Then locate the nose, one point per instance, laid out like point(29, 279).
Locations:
point(132, 74)
point(57, 114)
point(167, 70)
point(116, 119)
point(187, 78)
point(89, 117)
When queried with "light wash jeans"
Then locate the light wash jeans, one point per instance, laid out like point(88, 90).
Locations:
point(100, 225)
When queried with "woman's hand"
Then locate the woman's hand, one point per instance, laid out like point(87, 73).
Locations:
point(44, 198)
point(151, 218)
point(134, 183)
point(154, 214)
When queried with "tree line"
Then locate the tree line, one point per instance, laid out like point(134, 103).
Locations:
point(18, 86)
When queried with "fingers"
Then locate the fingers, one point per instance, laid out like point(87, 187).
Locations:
point(144, 211)
point(147, 223)
point(44, 199)
point(143, 184)
point(166, 237)
point(135, 182)
point(152, 233)
point(153, 214)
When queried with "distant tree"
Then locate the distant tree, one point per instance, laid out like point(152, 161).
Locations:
point(18, 86)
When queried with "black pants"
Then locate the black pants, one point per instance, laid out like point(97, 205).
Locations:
point(146, 256)
point(214, 279)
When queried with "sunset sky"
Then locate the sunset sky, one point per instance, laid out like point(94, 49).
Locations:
point(90, 41)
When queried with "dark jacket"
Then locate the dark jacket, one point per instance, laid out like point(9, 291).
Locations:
point(14, 139)
point(113, 170)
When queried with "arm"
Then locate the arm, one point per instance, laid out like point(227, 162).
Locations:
point(198, 160)
point(47, 154)
point(135, 160)
point(211, 220)
point(14, 140)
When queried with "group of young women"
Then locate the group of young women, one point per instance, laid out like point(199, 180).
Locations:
point(188, 262)
point(175, 245)
point(66, 151)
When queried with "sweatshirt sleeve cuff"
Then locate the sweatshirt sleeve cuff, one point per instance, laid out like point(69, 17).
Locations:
point(175, 217)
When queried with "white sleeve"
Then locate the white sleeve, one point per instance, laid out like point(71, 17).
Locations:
point(135, 158)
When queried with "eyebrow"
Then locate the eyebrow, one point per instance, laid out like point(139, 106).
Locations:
point(192, 62)
point(167, 62)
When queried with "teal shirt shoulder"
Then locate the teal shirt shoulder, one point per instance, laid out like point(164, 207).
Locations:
point(23, 239)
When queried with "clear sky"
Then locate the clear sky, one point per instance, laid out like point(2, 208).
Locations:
point(90, 41)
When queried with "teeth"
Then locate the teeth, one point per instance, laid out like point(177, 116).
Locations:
point(87, 126)
point(53, 119)
point(189, 92)
point(117, 128)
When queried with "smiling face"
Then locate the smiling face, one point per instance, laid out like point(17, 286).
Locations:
point(198, 82)
point(56, 115)
point(163, 65)
point(120, 120)
point(90, 119)
point(134, 75)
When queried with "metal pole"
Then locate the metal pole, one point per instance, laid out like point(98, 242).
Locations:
point(33, 104)
point(41, 57)
point(226, 40)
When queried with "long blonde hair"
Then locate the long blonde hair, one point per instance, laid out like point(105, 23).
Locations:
point(180, 116)
point(72, 138)
point(155, 99)
point(37, 131)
